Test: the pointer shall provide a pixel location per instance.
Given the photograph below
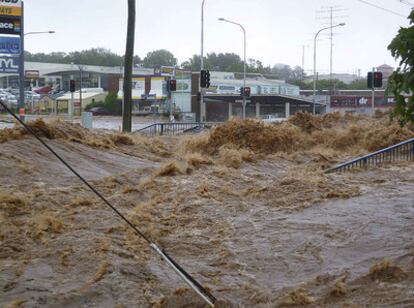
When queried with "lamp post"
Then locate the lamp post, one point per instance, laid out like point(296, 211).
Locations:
point(244, 68)
point(21, 70)
point(80, 88)
point(40, 32)
point(314, 60)
point(202, 62)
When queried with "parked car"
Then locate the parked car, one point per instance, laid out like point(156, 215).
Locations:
point(43, 90)
point(99, 111)
point(271, 118)
point(56, 93)
point(31, 96)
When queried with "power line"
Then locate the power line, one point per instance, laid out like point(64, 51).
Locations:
point(406, 2)
point(331, 13)
point(382, 8)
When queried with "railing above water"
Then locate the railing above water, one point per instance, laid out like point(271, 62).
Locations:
point(175, 128)
point(401, 151)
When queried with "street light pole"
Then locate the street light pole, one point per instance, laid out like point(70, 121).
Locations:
point(21, 69)
point(314, 61)
point(40, 32)
point(202, 62)
point(244, 67)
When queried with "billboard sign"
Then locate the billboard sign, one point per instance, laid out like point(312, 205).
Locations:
point(361, 102)
point(12, 8)
point(9, 45)
point(10, 25)
point(9, 64)
point(32, 74)
point(12, 3)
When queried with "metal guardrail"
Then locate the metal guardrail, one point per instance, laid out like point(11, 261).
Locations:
point(401, 151)
point(174, 128)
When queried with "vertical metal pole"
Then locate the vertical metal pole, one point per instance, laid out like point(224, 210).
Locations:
point(71, 107)
point(373, 91)
point(202, 62)
point(80, 90)
point(244, 75)
point(21, 69)
point(303, 62)
point(331, 60)
point(314, 72)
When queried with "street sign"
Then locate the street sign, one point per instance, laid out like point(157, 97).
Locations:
point(9, 64)
point(32, 74)
point(10, 25)
point(9, 45)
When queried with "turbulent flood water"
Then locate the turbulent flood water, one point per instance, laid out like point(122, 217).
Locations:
point(255, 230)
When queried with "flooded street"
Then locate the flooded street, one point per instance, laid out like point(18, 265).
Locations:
point(258, 229)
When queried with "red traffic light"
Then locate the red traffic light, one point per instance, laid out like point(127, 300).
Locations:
point(378, 79)
point(172, 85)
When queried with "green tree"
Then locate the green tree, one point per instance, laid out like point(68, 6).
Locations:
point(193, 64)
point(402, 80)
point(282, 71)
point(358, 84)
point(158, 58)
point(94, 56)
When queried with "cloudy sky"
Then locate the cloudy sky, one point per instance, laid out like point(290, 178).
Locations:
point(277, 29)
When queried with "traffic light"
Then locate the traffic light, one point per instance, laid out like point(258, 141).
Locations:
point(72, 85)
point(377, 79)
point(374, 80)
point(172, 85)
point(205, 79)
point(369, 80)
point(247, 92)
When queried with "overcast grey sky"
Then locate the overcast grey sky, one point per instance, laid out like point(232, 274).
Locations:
point(276, 29)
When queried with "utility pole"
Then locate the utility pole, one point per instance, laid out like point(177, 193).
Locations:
point(129, 56)
point(202, 108)
point(328, 13)
point(303, 61)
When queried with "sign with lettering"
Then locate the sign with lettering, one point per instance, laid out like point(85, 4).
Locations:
point(9, 64)
point(32, 74)
point(9, 45)
point(10, 11)
point(17, 3)
point(10, 25)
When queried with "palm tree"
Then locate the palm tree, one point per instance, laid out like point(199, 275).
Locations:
point(128, 61)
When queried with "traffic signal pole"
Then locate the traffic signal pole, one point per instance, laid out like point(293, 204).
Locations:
point(373, 91)
point(202, 62)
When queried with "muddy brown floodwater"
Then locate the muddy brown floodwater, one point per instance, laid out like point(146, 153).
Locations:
point(245, 209)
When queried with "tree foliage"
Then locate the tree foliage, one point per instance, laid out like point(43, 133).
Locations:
point(110, 103)
point(225, 62)
point(161, 57)
point(94, 56)
point(402, 80)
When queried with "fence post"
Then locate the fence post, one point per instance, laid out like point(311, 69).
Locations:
point(412, 150)
point(162, 129)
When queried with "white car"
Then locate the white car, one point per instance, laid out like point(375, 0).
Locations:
point(271, 118)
